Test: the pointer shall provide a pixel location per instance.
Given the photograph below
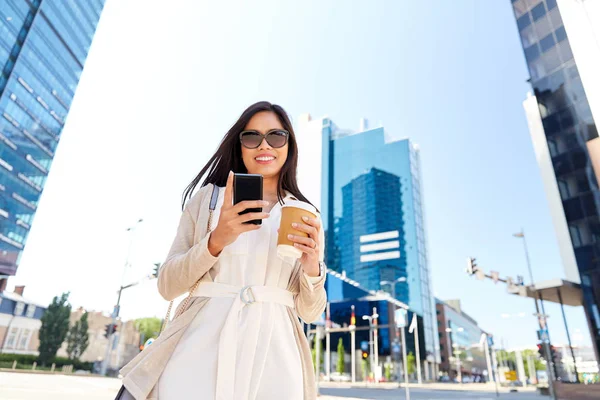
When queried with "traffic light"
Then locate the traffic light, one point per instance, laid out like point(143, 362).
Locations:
point(553, 354)
point(155, 272)
point(471, 265)
point(365, 355)
point(107, 330)
point(540, 347)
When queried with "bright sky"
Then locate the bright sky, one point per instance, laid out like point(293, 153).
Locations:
point(162, 85)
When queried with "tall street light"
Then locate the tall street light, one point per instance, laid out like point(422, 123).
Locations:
point(456, 354)
point(115, 314)
point(373, 348)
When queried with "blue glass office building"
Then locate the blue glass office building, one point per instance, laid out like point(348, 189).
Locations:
point(43, 48)
point(561, 51)
point(372, 211)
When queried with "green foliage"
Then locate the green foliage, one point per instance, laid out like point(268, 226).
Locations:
point(388, 372)
point(25, 361)
point(411, 363)
point(78, 338)
point(55, 325)
point(364, 364)
point(341, 352)
point(148, 327)
point(317, 343)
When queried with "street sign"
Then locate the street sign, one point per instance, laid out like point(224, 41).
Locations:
point(364, 345)
point(490, 339)
point(396, 348)
point(511, 375)
point(400, 317)
point(495, 276)
point(115, 313)
point(480, 274)
point(543, 335)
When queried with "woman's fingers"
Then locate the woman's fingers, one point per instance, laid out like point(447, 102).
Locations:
point(228, 196)
point(251, 216)
point(306, 241)
point(305, 249)
point(311, 230)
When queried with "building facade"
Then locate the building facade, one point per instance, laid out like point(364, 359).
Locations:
point(125, 344)
point(561, 47)
point(369, 195)
point(20, 323)
point(461, 344)
point(43, 48)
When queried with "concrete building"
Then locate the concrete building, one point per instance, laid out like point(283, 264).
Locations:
point(19, 323)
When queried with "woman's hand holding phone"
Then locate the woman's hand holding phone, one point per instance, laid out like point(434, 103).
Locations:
point(231, 224)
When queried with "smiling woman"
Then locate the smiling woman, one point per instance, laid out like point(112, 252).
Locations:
point(237, 335)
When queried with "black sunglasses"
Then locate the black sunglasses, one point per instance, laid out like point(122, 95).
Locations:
point(276, 138)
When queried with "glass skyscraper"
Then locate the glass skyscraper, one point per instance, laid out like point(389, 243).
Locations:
point(372, 211)
point(560, 42)
point(43, 48)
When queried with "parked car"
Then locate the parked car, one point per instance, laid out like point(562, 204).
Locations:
point(337, 377)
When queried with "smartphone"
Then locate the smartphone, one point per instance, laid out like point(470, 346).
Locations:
point(248, 187)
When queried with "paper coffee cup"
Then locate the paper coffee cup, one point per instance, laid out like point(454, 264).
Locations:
point(292, 211)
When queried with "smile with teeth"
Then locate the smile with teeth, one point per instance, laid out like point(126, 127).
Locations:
point(264, 158)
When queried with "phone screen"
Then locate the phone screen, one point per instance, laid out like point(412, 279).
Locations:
point(248, 187)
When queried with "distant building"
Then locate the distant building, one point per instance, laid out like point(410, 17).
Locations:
point(19, 323)
point(460, 342)
point(368, 188)
point(125, 344)
point(43, 48)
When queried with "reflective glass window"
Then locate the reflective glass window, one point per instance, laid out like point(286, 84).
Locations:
point(524, 21)
point(561, 34)
point(550, 4)
point(547, 42)
point(538, 11)
point(543, 27)
point(532, 53)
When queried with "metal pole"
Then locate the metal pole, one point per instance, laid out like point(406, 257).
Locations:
point(353, 353)
point(562, 309)
point(458, 366)
point(371, 344)
point(376, 347)
point(527, 256)
point(496, 373)
point(116, 310)
point(487, 358)
point(327, 346)
point(419, 379)
point(318, 356)
point(405, 365)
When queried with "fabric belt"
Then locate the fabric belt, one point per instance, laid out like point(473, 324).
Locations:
point(243, 296)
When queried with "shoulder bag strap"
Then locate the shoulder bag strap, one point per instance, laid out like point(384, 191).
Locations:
point(213, 204)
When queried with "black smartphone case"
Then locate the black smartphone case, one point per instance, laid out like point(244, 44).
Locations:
point(248, 187)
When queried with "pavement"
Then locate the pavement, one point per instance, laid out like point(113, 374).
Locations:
point(32, 386)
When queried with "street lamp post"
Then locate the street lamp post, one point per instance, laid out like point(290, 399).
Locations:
point(115, 313)
point(457, 354)
point(373, 348)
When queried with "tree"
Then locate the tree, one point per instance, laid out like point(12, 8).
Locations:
point(410, 363)
point(341, 353)
point(317, 343)
point(148, 327)
point(55, 325)
point(365, 369)
point(78, 338)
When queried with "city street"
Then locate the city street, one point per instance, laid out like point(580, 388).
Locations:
point(26, 386)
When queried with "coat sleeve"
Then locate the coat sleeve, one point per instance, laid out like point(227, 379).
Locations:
point(187, 262)
point(312, 298)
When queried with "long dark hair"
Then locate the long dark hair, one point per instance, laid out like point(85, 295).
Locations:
point(229, 156)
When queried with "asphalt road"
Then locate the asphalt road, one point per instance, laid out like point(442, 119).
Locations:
point(26, 386)
point(425, 394)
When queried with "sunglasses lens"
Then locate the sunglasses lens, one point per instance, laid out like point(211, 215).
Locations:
point(251, 140)
point(277, 138)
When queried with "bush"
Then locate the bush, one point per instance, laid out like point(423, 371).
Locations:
point(25, 361)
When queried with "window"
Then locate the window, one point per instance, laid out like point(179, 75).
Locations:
point(12, 338)
point(547, 43)
point(19, 308)
point(538, 11)
point(30, 311)
point(24, 339)
point(561, 34)
point(551, 4)
point(524, 21)
point(532, 52)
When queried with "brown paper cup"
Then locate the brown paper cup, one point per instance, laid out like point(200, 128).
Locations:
point(292, 211)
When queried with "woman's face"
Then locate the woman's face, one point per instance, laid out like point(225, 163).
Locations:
point(264, 122)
